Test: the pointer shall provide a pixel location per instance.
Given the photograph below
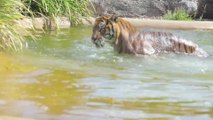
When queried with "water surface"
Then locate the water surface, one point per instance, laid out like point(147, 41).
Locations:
point(62, 76)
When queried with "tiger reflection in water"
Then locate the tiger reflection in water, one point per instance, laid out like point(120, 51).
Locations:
point(125, 38)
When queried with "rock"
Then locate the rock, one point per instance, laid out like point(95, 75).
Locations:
point(141, 8)
point(209, 9)
point(42, 23)
point(191, 6)
point(129, 8)
point(205, 9)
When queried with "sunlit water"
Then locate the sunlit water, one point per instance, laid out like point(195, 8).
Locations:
point(62, 76)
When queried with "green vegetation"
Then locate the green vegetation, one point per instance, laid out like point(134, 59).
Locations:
point(10, 36)
point(177, 15)
point(74, 9)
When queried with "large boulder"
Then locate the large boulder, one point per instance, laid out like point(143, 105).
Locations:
point(152, 8)
point(205, 9)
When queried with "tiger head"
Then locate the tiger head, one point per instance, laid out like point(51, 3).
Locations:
point(104, 30)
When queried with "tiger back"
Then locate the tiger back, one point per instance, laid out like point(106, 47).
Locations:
point(164, 42)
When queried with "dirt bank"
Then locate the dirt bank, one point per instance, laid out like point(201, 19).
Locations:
point(63, 22)
point(170, 24)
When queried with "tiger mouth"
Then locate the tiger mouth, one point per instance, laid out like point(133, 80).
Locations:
point(99, 43)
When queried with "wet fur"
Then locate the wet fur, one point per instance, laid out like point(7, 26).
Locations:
point(127, 39)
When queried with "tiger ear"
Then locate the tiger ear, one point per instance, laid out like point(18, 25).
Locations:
point(114, 18)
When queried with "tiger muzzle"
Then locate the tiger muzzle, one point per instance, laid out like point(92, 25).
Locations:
point(98, 42)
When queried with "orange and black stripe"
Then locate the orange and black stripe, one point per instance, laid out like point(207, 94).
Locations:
point(181, 46)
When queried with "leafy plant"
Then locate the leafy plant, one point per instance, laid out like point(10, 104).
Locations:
point(74, 9)
point(177, 15)
point(11, 37)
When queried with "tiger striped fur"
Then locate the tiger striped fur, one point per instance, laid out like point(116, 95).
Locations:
point(125, 38)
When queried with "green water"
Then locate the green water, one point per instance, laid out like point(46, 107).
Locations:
point(62, 76)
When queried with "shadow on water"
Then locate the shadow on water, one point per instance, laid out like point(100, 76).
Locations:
point(63, 76)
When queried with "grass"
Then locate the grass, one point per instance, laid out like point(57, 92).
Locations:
point(177, 15)
point(10, 36)
point(74, 9)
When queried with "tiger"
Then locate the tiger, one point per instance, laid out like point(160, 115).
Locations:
point(126, 38)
